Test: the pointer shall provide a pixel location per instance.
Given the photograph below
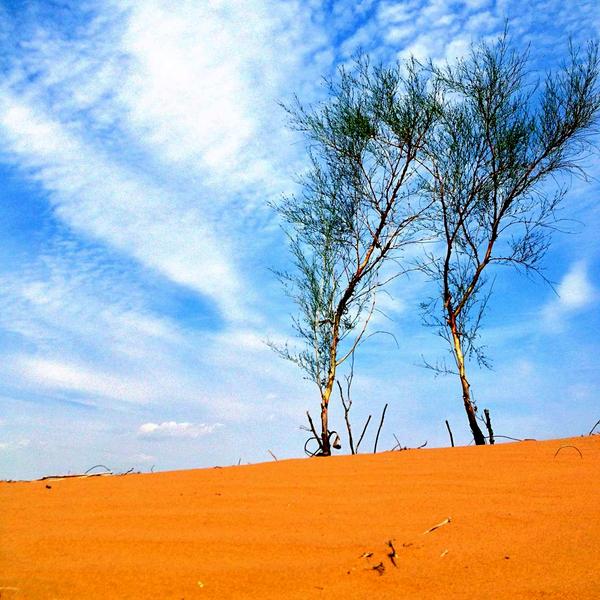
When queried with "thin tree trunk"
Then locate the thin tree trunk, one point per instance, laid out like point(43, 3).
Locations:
point(466, 388)
point(326, 394)
point(325, 446)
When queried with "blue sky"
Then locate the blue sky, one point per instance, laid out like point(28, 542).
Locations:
point(140, 143)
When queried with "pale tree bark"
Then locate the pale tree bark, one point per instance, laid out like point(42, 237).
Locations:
point(466, 387)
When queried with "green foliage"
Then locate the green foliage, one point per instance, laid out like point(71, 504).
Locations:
point(359, 205)
point(500, 142)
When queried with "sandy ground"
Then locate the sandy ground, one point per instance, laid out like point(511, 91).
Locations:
point(523, 524)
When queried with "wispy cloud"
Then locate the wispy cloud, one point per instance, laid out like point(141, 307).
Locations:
point(575, 293)
point(575, 290)
point(172, 429)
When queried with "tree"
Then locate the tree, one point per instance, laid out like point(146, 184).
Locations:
point(493, 159)
point(359, 207)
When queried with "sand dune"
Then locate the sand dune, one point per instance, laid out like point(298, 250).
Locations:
point(523, 524)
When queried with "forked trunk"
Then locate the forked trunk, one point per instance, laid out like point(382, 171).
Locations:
point(466, 388)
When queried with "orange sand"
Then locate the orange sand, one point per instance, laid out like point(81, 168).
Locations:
point(523, 525)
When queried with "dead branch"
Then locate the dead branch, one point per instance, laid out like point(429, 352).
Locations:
point(314, 431)
point(379, 429)
point(96, 467)
point(441, 524)
point(488, 425)
point(594, 427)
point(347, 403)
point(363, 433)
point(392, 555)
point(568, 446)
point(76, 476)
point(272, 455)
point(398, 444)
point(450, 432)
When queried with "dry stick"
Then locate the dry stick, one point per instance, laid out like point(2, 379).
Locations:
point(444, 522)
point(574, 447)
point(363, 433)
point(594, 427)
point(488, 424)
point(312, 427)
point(95, 467)
point(450, 432)
point(272, 454)
point(392, 554)
point(379, 430)
point(346, 417)
point(398, 443)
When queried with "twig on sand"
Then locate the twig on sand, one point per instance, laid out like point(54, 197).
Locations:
point(379, 567)
point(272, 455)
point(392, 555)
point(98, 467)
point(398, 444)
point(444, 522)
point(568, 446)
point(77, 476)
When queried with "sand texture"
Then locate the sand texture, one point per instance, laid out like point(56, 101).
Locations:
point(523, 524)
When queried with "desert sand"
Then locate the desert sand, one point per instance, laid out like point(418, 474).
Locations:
point(516, 522)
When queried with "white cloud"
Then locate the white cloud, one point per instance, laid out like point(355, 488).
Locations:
point(101, 198)
point(59, 375)
point(172, 429)
point(15, 444)
point(158, 131)
point(575, 292)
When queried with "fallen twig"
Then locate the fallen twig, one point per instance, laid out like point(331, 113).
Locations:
point(77, 476)
point(594, 427)
point(392, 553)
point(398, 444)
point(568, 446)
point(380, 568)
point(444, 522)
point(98, 466)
